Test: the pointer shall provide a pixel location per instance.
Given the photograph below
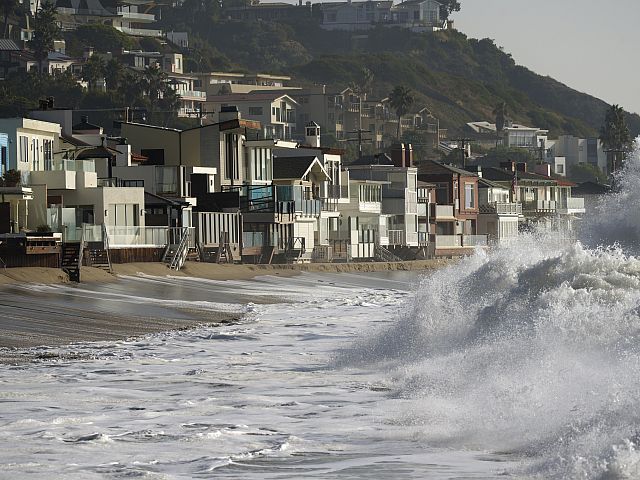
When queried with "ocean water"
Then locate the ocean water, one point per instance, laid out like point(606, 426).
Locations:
point(523, 362)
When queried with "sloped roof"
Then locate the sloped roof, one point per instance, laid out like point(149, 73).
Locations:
point(294, 167)
point(437, 167)
point(7, 45)
point(378, 159)
point(249, 97)
point(591, 188)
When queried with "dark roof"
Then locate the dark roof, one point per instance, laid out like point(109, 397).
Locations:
point(502, 175)
point(7, 45)
point(377, 159)
point(96, 152)
point(247, 97)
point(591, 188)
point(152, 199)
point(432, 167)
point(74, 141)
point(291, 167)
point(483, 182)
point(85, 125)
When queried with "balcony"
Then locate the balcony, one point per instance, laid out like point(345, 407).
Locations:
point(539, 207)
point(140, 32)
point(194, 95)
point(423, 195)
point(119, 182)
point(502, 208)
point(396, 237)
point(442, 213)
point(136, 17)
point(474, 241)
point(571, 205)
point(63, 174)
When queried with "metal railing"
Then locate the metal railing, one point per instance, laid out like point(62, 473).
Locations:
point(502, 208)
point(423, 238)
point(474, 241)
point(119, 182)
point(322, 253)
point(396, 237)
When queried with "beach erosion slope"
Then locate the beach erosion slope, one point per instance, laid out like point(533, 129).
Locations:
point(42, 308)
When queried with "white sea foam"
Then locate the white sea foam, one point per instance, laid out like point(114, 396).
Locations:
point(532, 349)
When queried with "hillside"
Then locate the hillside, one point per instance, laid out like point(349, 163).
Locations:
point(458, 78)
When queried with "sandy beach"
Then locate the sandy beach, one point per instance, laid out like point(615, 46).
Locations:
point(42, 308)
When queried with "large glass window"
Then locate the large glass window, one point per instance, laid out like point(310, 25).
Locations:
point(469, 196)
point(123, 214)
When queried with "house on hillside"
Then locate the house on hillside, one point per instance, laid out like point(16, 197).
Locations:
point(275, 111)
point(513, 135)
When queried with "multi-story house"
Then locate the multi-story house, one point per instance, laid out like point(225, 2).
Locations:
point(543, 198)
point(499, 217)
point(454, 216)
point(512, 135)
point(275, 111)
point(400, 212)
point(66, 193)
point(578, 151)
point(128, 16)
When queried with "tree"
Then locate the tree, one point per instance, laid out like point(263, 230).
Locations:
point(113, 74)
point(45, 31)
point(447, 7)
point(500, 112)
point(93, 71)
point(615, 136)
point(154, 81)
point(401, 100)
point(11, 178)
point(7, 7)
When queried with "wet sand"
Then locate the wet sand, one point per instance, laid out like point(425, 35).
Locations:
point(40, 307)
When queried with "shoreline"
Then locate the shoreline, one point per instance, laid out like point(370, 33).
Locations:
point(47, 317)
point(210, 271)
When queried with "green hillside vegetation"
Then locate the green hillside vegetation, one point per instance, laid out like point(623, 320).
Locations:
point(458, 78)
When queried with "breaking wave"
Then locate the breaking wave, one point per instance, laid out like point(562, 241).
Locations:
point(532, 350)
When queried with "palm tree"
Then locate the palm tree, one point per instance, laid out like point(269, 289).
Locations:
point(500, 112)
point(7, 7)
point(615, 136)
point(401, 100)
point(154, 81)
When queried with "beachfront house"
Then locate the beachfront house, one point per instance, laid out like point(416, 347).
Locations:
point(498, 216)
point(454, 216)
point(400, 213)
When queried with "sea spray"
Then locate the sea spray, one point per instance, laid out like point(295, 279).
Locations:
point(532, 349)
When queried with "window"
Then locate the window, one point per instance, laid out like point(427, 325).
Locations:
point(24, 148)
point(261, 163)
point(255, 110)
point(123, 214)
point(3, 160)
point(469, 196)
point(48, 154)
point(231, 170)
point(560, 169)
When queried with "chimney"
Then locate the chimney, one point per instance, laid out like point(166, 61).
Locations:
point(398, 154)
point(510, 166)
point(229, 112)
point(408, 155)
point(312, 134)
point(543, 169)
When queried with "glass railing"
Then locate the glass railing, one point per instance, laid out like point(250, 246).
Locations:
point(65, 165)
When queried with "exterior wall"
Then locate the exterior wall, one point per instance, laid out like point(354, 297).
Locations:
point(26, 139)
point(142, 137)
point(103, 198)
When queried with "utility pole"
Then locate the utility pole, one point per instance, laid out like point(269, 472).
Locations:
point(463, 148)
point(359, 139)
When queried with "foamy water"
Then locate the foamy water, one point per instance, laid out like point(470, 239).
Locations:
point(522, 362)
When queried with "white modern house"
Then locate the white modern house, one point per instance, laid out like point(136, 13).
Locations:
point(275, 112)
point(578, 151)
point(498, 216)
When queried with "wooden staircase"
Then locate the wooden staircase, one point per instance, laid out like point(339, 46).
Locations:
point(175, 254)
point(98, 256)
point(72, 259)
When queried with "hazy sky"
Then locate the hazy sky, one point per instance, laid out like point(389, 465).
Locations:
point(590, 45)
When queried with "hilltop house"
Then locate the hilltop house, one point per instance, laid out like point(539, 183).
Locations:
point(418, 15)
point(513, 135)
